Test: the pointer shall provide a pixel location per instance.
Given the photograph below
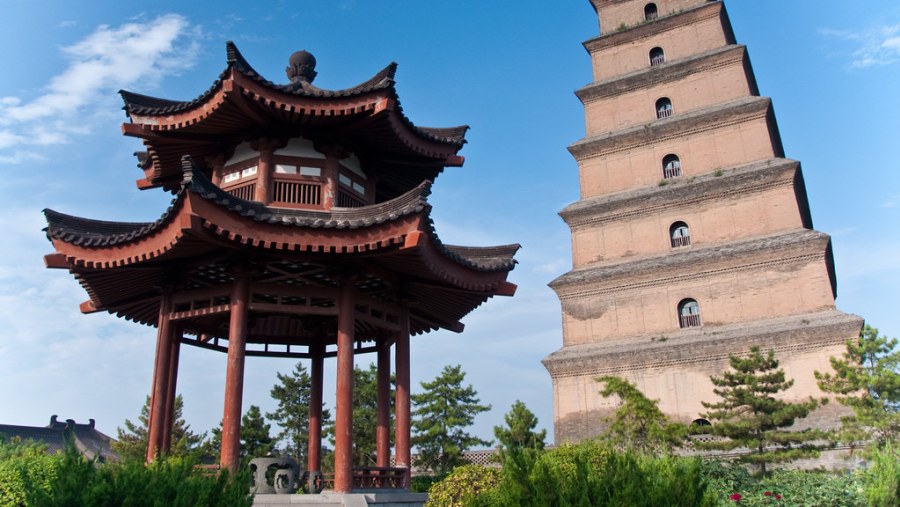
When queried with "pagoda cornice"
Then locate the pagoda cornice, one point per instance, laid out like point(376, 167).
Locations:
point(679, 126)
point(790, 248)
point(663, 24)
point(804, 332)
point(680, 193)
point(668, 72)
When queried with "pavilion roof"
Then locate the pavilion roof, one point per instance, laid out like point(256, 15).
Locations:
point(122, 265)
point(241, 103)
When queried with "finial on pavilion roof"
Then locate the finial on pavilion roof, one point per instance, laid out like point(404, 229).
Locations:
point(302, 67)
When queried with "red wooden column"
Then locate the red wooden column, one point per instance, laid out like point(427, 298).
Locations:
point(234, 375)
point(169, 425)
point(383, 420)
point(401, 403)
point(264, 169)
point(343, 420)
point(159, 392)
point(314, 444)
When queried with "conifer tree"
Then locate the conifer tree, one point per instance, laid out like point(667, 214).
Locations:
point(255, 438)
point(519, 430)
point(135, 437)
point(750, 416)
point(443, 411)
point(293, 392)
point(638, 423)
point(867, 379)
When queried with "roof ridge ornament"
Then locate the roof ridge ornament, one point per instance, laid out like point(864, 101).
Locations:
point(301, 67)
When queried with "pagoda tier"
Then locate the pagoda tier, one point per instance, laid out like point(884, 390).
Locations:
point(295, 258)
point(243, 111)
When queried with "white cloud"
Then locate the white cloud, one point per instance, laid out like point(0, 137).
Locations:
point(105, 61)
point(875, 46)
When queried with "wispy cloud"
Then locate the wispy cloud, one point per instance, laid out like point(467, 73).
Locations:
point(105, 61)
point(878, 45)
point(892, 202)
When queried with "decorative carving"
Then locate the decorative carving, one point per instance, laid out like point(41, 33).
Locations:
point(302, 67)
point(284, 476)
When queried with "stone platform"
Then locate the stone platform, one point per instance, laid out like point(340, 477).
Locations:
point(326, 499)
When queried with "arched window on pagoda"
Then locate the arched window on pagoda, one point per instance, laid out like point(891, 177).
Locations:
point(700, 424)
point(657, 56)
point(663, 108)
point(680, 234)
point(689, 313)
point(671, 166)
point(651, 12)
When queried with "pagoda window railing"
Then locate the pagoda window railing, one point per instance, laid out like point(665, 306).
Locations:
point(680, 235)
point(689, 313)
point(657, 56)
point(671, 166)
point(664, 108)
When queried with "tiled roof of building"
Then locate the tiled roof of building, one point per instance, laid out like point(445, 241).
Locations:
point(85, 437)
point(383, 80)
point(98, 233)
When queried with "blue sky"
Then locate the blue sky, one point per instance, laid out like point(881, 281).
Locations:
point(508, 69)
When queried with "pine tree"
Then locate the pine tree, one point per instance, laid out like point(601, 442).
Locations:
point(443, 412)
point(519, 430)
point(867, 379)
point(133, 440)
point(256, 441)
point(750, 416)
point(293, 393)
point(638, 423)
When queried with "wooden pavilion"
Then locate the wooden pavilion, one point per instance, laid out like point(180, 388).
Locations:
point(300, 228)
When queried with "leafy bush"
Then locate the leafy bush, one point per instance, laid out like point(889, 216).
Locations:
point(22, 466)
point(881, 481)
point(422, 483)
point(462, 486)
point(30, 477)
point(800, 488)
point(594, 474)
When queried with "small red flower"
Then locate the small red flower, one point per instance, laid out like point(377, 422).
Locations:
point(777, 496)
point(768, 493)
point(736, 497)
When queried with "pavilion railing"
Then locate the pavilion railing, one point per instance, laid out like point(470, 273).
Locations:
point(296, 192)
point(246, 192)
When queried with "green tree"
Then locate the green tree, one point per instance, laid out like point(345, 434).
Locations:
point(255, 438)
point(442, 413)
point(750, 416)
point(133, 440)
point(519, 430)
point(293, 393)
point(638, 423)
point(867, 380)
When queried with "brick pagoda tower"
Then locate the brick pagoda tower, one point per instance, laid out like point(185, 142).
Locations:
point(693, 238)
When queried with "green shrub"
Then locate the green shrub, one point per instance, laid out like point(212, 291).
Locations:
point(24, 466)
point(881, 481)
point(31, 477)
point(422, 483)
point(462, 486)
point(800, 488)
point(593, 474)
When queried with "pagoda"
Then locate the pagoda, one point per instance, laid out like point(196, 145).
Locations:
point(692, 239)
point(299, 228)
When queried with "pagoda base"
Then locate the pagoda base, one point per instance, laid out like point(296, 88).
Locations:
point(675, 368)
point(357, 499)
